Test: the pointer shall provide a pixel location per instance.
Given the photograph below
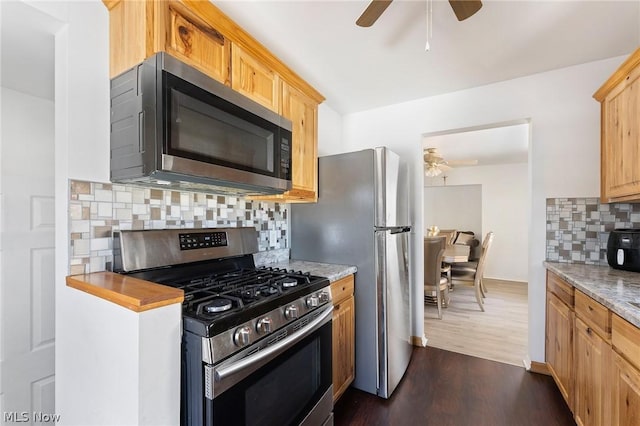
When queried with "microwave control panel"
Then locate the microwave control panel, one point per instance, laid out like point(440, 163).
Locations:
point(203, 240)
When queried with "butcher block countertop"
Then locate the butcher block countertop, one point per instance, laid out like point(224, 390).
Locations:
point(132, 293)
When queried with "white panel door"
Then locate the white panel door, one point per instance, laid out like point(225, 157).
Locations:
point(27, 257)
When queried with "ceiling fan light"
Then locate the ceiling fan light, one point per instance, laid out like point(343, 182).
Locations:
point(432, 170)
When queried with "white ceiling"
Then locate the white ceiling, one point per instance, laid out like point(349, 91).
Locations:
point(504, 144)
point(362, 68)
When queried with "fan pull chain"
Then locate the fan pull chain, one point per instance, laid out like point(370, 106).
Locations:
point(429, 22)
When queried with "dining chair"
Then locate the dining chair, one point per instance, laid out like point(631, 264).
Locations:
point(436, 286)
point(473, 271)
point(450, 236)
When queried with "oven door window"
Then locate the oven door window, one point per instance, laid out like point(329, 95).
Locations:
point(207, 128)
point(283, 391)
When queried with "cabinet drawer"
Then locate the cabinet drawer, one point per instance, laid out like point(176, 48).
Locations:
point(560, 288)
point(625, 338)
point(342, 289)
point(593, 314)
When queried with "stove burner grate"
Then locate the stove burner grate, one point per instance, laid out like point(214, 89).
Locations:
point(213, 295)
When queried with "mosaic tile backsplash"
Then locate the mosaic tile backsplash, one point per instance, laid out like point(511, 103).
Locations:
point(96, 210)
point(578, 228)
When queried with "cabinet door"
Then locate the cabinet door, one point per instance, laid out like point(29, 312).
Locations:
point(621, 140)
point(303, 113)
point(197, 43)
point(559, 345)
point(254, 79)
point(343, 346)
point(592, 373)
point(626, 394)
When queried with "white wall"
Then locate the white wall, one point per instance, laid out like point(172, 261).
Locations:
point(453, 207)
point(564, 155)
point(456, 207)
point(505, 211)
point(329, 130)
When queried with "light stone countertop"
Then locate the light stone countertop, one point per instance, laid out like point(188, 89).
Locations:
point(332, 271)
point(613, 288)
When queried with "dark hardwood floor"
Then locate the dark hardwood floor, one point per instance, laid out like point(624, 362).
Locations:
point(446, 388)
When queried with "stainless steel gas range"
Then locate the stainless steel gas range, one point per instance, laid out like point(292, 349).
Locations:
point(256, 342)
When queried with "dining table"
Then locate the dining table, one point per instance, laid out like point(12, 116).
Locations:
point(454, 253)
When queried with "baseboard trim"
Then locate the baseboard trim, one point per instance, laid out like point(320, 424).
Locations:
point(421, 341)
point(540, 368)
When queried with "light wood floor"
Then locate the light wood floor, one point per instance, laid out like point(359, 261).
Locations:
point(498, 334)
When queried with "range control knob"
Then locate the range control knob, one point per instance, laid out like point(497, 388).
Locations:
point(323, 297)
point(312, 302)
point(264, 325)
point(291, 312)
point(242, 336)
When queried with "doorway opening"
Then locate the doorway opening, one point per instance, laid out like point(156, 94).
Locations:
point(482, 185)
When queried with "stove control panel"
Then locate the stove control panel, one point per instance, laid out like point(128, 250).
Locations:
point(267, 327)
point(198, 240)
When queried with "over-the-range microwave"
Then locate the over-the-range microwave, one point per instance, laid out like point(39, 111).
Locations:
point(174, 127)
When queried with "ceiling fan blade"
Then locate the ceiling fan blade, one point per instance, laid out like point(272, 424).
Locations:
point(372, 12)
point(465, 8)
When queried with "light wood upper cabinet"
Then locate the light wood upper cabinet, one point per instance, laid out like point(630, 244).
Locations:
point(139, 29)
point(303, 113)
point(254, 79)
point(131, 34)
point(199, 34)
point(620, 133)
point(198, 44)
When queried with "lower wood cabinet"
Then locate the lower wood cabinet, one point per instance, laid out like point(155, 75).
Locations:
point(592, 401)
point(626, 393)
point(625, 338)
point(343, 335)
point(594, 358)
point(559, 339)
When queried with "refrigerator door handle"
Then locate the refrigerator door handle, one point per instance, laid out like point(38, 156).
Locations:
point(401, 230)
point(393, 229)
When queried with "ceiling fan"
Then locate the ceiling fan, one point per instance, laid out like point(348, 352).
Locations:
point(434, 163)
point(462, 8)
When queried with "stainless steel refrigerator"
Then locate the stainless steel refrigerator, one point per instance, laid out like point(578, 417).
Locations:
point(362, 219)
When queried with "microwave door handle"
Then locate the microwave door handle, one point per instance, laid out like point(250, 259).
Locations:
point(271, 352)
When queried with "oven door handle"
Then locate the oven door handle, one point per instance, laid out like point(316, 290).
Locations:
point(262, 357)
